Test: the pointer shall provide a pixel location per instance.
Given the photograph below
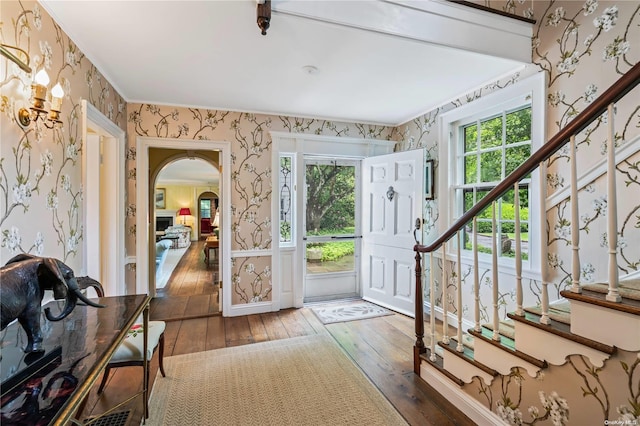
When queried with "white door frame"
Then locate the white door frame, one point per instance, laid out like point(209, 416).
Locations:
point(144, 224)
point(104, 144)
point(287, 263)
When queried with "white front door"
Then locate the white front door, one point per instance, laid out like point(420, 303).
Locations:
point(392, 187)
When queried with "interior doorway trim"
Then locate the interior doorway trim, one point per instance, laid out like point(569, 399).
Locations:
point(143, 220)
point(104, 144)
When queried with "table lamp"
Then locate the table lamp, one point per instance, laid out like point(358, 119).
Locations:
point(184, 211)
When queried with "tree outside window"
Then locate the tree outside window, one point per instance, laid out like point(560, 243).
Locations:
point(491, 148)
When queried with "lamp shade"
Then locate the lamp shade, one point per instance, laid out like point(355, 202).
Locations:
point(185, 211)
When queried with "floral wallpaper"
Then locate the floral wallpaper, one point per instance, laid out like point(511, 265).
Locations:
point(583, 47)
point(250, 175)
point(40, 172)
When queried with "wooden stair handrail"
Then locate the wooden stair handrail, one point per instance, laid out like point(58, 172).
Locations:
point(620, 88)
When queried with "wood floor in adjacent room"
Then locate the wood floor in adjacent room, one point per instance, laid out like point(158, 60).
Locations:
point(382, 347)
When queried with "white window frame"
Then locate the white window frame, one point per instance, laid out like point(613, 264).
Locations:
point(528, 91)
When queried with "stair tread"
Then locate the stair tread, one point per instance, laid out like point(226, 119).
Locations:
point(507, 345)
point(629, 289)
point(439, 365)
point(559, 311)
point(627, 305)
point(561, 329)
point(506, 328)
point(467, 355)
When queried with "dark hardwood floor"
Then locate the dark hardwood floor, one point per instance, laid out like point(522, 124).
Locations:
point(382, 347)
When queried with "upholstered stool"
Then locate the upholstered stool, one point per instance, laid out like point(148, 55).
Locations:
point(129, 353)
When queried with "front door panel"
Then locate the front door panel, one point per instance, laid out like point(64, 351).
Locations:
point(392, 187)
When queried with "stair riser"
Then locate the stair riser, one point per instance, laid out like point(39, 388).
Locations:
point(500, 360)
point(463, 369)
point(476, 411)
point(605, 325)
point(552, 348)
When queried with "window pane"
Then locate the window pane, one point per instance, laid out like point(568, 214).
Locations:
point(519, 126)
point(468, 200)
point(470, 138)
point(330, 208)
point(515, 157)
point(491, 133)
point(471, 169)
point(329, 257)
point(205, 208)
point(484, 236)
point(491, 166)
point(286, 215)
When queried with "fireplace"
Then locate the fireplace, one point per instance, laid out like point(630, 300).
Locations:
point(163, 222)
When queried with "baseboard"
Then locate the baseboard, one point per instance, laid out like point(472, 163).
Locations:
point(468, 405)
point(249, 309)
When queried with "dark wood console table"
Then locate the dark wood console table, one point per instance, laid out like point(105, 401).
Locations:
point(80, 345)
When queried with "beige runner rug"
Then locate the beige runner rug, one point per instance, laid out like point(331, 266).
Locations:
point(299, 381)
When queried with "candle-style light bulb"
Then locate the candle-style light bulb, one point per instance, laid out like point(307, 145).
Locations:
point(56, 97)
point(42, 78)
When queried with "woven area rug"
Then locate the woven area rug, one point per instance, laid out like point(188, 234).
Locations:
point(329, 314)
point(299, 381)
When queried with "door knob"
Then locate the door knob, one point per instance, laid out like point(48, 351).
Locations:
point(390, 193)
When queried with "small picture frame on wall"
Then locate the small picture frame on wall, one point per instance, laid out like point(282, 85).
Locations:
point(428, 181)
point(161, 196)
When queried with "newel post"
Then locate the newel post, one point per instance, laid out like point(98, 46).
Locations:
point(419, 320)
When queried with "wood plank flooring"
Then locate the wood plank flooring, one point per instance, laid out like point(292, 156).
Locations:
point(382, 347)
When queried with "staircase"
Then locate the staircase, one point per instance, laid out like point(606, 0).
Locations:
point(586, 342)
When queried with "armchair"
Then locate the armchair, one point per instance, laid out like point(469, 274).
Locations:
point(162, 250)
point(205, 226)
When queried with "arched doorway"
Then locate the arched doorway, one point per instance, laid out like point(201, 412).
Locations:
point(153, 155)
point(208, 214)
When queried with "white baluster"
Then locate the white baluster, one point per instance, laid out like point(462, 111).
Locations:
point(544, 247)
point(432, 308)
point(445, 301)
point(460, 347)
point(516, 208)
point(612, 213)
point(476, 275)
point(575, 218)
point(496, 316)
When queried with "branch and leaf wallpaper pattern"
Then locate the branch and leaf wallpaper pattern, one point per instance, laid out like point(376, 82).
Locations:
point(250, 174)
point(582, 47)
point(40, 171)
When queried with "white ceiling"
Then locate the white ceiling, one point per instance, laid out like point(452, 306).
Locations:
point(188, 172)
point(379, 62)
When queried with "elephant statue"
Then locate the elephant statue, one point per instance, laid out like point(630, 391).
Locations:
point(23, 281)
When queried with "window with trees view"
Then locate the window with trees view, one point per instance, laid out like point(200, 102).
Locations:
point(491, 147)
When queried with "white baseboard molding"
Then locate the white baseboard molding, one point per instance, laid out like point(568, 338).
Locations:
point(595, 171)
point(249, 309)
point(471, 407)
point(631, 276)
